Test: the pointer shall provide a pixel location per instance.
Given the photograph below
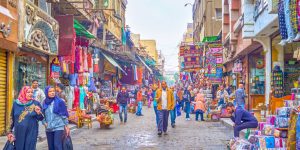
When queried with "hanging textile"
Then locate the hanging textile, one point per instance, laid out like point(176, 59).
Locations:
point(281, 18)
point(81, 97)
point(140, 75)
point(298, 13)
point(294, 16)
point(67, 36)
point(85, 63)
point(291, 142)
point(76, 97)
point(288, 20)
point(73, 79)
point(69, 91)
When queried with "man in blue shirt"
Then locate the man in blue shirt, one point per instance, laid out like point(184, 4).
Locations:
point(242, 119)
point(240, 96)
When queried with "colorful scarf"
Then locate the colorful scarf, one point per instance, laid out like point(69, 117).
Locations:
point(59, 108)
point(22, 96)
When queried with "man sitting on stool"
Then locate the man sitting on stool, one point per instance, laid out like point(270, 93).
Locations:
point(242, 118)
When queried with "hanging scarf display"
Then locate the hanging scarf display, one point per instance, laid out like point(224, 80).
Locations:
point(288, 20)
point(85, 60)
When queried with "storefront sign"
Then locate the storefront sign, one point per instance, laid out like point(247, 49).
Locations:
point(40, 30)
point(237, 67)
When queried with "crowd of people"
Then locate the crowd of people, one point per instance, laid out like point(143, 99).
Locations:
point(170, 101)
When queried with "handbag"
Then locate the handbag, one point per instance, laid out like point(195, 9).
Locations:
point(9, 146)
point(67, 143)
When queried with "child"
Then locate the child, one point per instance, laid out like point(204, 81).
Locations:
point(150, 98)
point(200, 107)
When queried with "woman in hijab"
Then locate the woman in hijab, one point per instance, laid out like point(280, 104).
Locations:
point(25, 115)
point(56, 119)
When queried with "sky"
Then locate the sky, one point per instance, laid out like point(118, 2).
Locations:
point(162, 20)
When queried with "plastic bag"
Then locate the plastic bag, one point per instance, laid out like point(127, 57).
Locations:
point(67, 143)
point(9, 146)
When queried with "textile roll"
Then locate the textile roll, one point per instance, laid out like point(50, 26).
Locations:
point(291, 142)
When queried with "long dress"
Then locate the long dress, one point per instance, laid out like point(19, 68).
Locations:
point(25, 124)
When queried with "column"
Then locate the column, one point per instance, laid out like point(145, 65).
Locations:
point(267, 46)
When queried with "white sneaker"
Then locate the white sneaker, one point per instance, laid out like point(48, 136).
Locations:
point(282, 42)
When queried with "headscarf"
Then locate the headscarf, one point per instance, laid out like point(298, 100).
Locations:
point(22, 95)
point(59, 108)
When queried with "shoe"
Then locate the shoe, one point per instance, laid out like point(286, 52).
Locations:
point(159, 133)
point(282, 42)
point(173, 125)
point(203, 120)
point(297, 38)
point(165, 133)
point(141, 115)
point(188, 119)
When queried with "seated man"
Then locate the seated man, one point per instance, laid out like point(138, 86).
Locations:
point(241, 117)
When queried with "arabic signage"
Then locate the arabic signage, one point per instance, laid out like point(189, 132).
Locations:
point(214, 62)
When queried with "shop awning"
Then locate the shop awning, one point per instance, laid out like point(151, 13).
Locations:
point(210, 39)
point(113, 62)
point(81, 31)
point(150, 70)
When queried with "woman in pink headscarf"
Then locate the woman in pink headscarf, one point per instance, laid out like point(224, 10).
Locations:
point(25, 115)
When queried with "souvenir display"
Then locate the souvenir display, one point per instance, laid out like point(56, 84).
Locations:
point(277, 82)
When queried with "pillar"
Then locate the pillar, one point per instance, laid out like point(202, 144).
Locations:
point(267, 46)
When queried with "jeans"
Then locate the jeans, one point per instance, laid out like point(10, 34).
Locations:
point(123, 108)
point(181, 103)
point(163, 120)
point(244, 125)
point(55, 140)
point(173, 116)
point(187, 109)
point(156, 115)
point(221, 102)
point(139, 109)
point(199, 112)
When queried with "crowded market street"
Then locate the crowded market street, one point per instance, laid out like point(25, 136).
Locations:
point(141, 133)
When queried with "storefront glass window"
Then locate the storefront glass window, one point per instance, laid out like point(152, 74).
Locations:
point(28, 69)
point(257, 73)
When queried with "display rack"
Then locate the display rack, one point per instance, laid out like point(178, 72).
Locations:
point(277, 83)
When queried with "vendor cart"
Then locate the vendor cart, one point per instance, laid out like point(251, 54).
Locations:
point(104, 116)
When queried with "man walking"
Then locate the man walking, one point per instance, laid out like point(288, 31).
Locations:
point(242, 118)
point(165, 103)
point(139, 100)
point(173, 111)
point(123, 100)
point(187, 100)
point(240, 96)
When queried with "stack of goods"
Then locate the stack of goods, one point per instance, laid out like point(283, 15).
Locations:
point(105, 118)
point(132, 108)
point(278, 132)
point(277, 83)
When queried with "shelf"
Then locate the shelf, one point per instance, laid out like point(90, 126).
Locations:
point(282, 129)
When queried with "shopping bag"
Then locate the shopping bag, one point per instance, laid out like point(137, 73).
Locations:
point(178, 110)
point(9, 146)
point(67, 143)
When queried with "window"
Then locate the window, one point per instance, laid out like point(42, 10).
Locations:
point(218, 13)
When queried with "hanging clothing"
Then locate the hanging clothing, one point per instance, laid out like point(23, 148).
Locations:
point(24, 118)
point(288, 19)
point(298, 13)
point(77, 60)
point(294, 16)
point(69, 90)
point(81, 97)
point(89, 60)
point(80, 79)
point(73, 79)
point(76, 97)
point(85, 60)
point(281, 18)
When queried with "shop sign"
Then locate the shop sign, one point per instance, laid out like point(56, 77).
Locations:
point(237, 67)
point(40, 29)
point(55, 68)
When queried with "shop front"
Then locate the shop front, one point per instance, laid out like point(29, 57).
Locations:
point(256, 78)
point(38, 39)
point(8, 47)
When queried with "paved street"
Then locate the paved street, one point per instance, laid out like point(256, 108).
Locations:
point(141, 133)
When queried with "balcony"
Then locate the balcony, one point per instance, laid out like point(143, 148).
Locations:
point(238, 25)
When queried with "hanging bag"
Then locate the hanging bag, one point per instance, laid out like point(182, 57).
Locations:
point(9, 146)
point(67, 143)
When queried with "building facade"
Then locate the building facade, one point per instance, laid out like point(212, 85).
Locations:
point(207, 18)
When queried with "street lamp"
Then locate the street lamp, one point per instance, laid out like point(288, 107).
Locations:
point(188, 4)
